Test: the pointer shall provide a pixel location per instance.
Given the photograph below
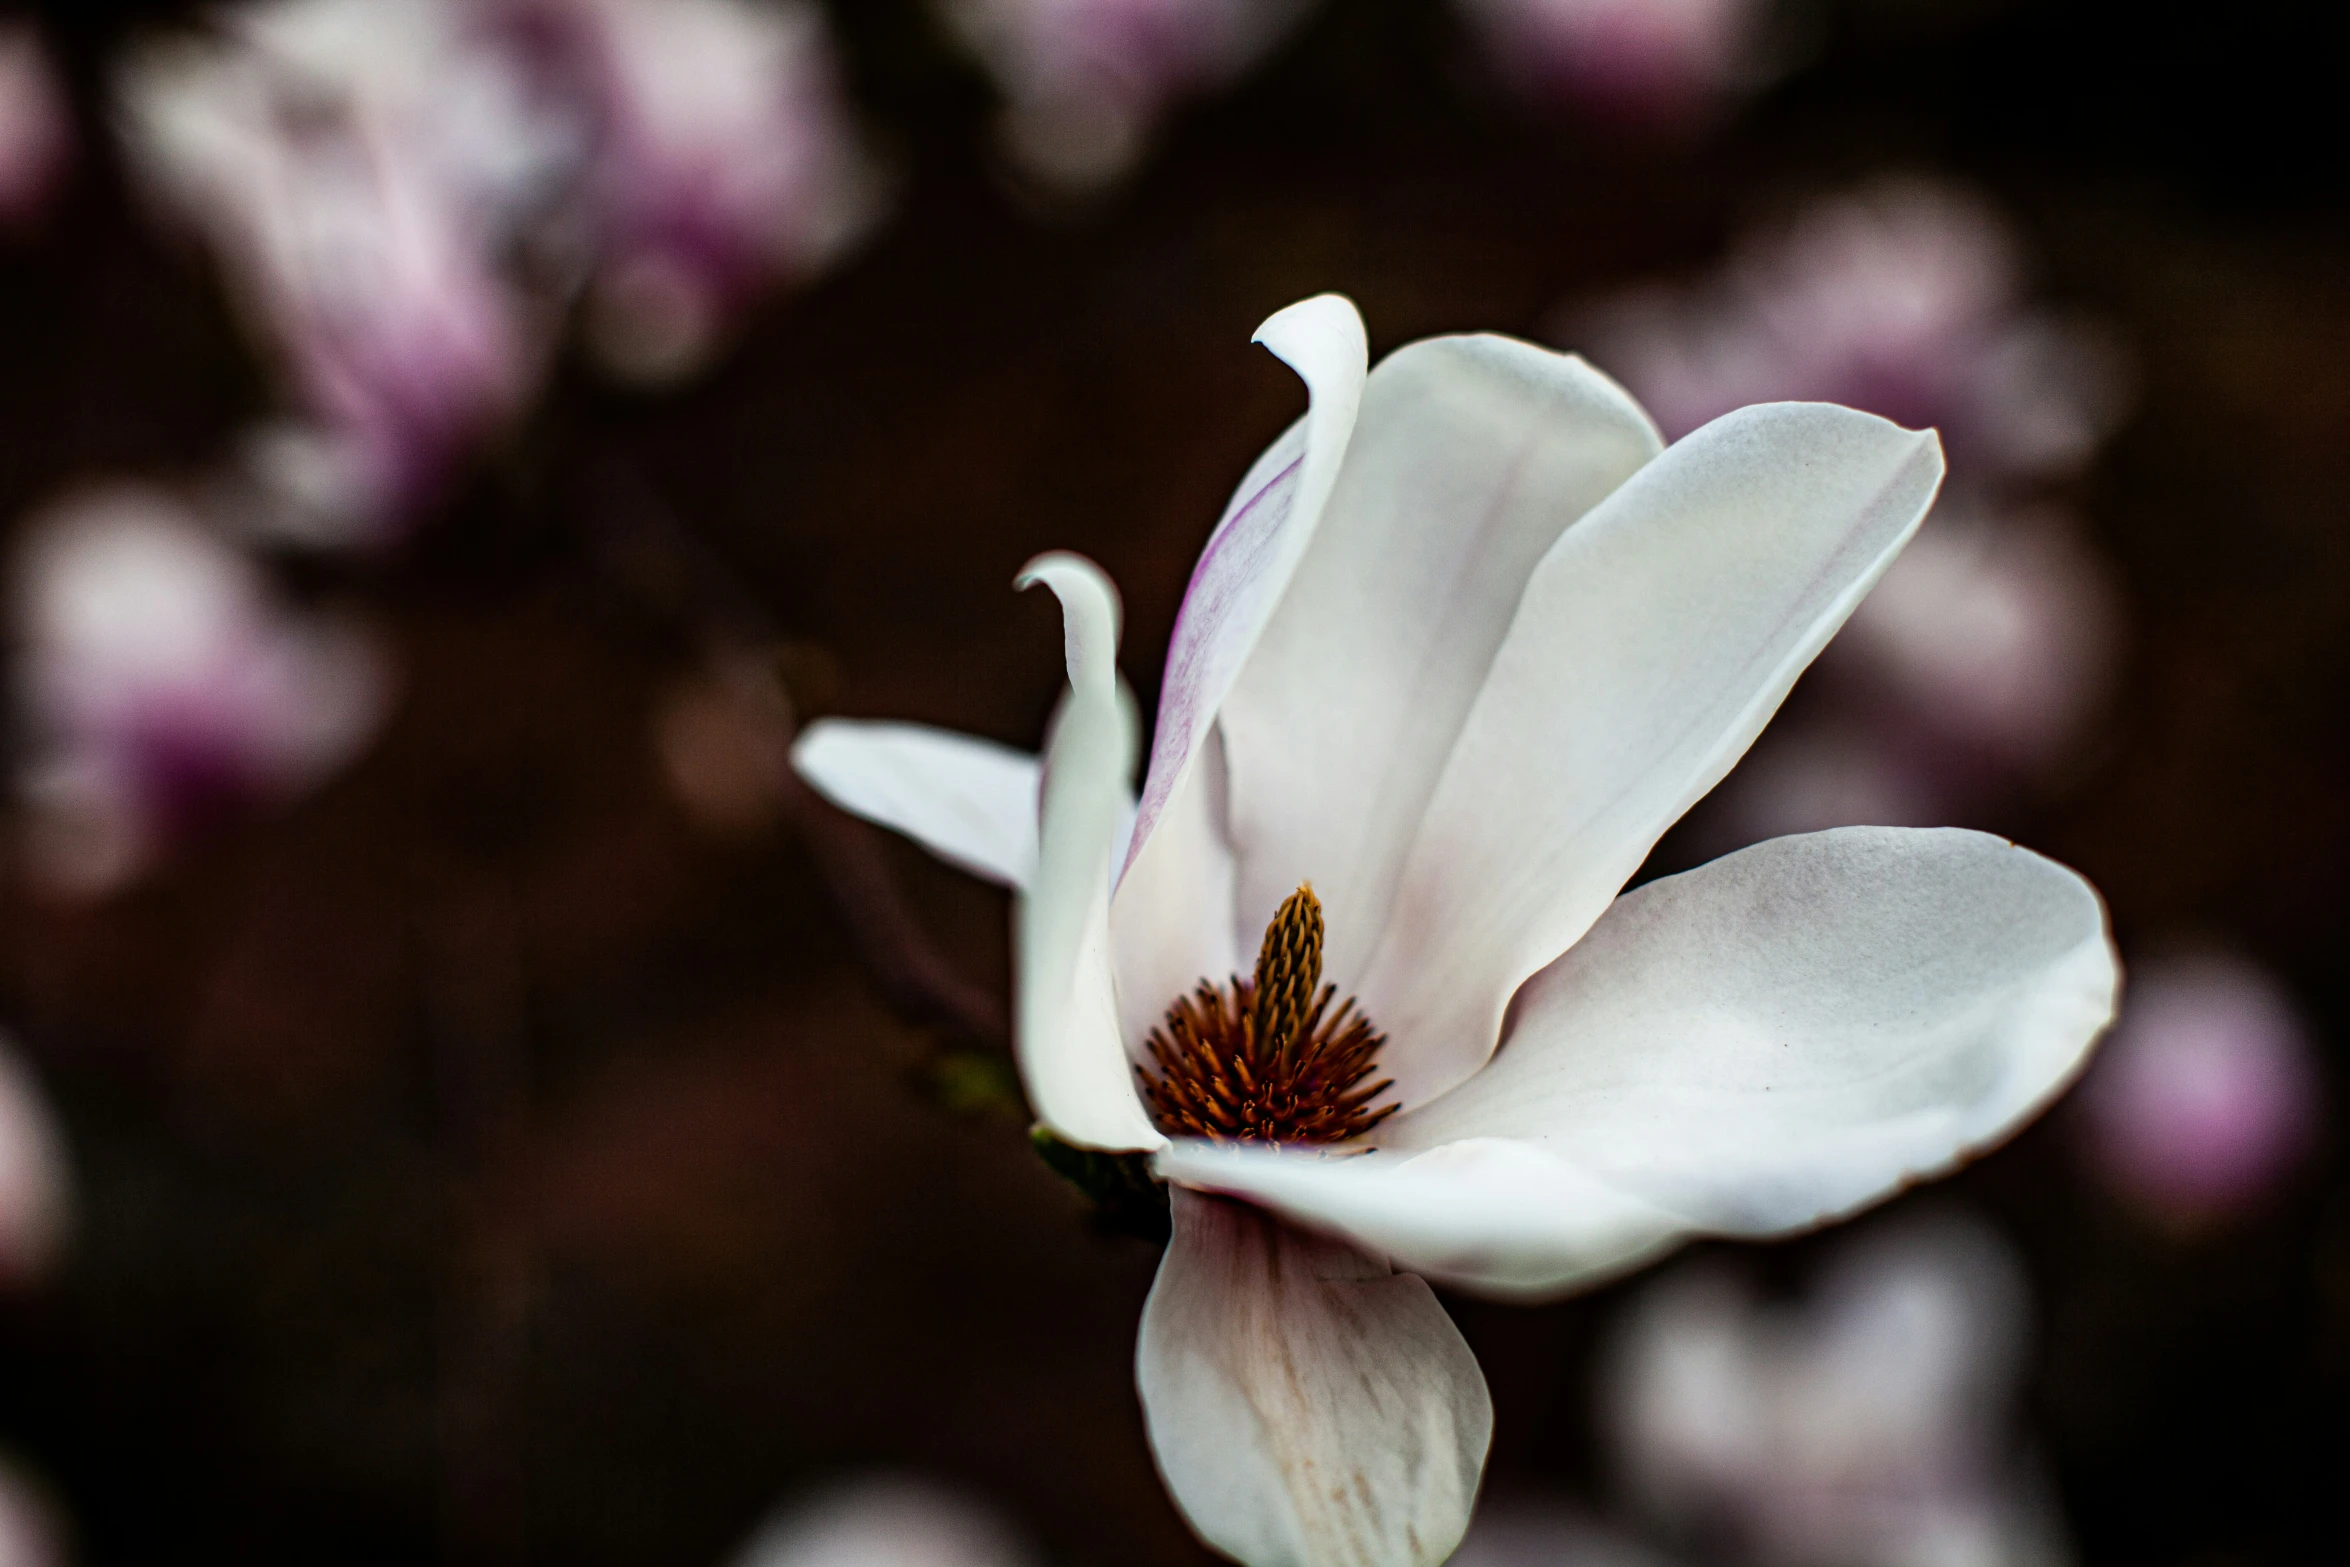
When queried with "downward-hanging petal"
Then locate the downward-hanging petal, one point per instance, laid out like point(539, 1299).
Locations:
point(971, 802)
point(1654, 641)
point(1764, 1044)
point(1308, 1408)
point(1470, 457)
point(1065, 1032)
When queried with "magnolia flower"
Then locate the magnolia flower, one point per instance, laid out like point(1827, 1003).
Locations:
point(36, 126)
point(2208, 1098)
point(1468, 639)
point(159, 682)
point(356, 167)
point(1084, 81)
point(887, 1521)
point(1654, 61)
point(723, 159)
point(1867, 1426)
point(32, 1531)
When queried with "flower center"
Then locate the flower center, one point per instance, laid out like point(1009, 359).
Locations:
point(1264, 1060)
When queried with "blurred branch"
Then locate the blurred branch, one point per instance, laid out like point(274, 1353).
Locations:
point(642, 546)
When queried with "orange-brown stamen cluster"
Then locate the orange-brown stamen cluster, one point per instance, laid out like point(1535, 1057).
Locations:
point(1264, 1060)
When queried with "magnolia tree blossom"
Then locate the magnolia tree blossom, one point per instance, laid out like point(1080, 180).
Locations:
point(36, 1185)
point(1657, 62)
point(887, 1520)
point(158, 682)
point(1469, 638)
point(1084, 81)
point(1982, 661)
point(1868, 1425)
point(36, 126)
point(2209, 1097)
point(32, 1530)
point(404, 195)
point(356, 167)
point(723, 160)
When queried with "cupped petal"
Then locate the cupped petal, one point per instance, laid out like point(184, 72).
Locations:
point(1065, 1027)
point(1492, 1215)
point(1307, 1407)
point(1470, 457)
point(1174, 898)
point(971, 802)
point(1800, 1029)
point(1654, 641)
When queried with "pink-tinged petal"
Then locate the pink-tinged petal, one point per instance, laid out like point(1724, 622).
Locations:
point(1470, 457)
point(1654, 641)
point(1174, 899)
point(1066, 1028)
point(971, 802)
point(1308, 1408)
point(1493, 1215)
point(1257, 544)
point(1800, 1029)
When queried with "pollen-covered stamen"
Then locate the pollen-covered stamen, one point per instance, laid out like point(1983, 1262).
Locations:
point(1264, 1060)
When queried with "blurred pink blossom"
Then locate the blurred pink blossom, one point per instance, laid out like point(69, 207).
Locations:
point(724, 159)
point(36, 1199)
point(1904, 298)
point(36, 126)
point(357, 168)
point(1866, 1425)
point(886, 1520)
point(1979, 663)
point(2207, 1096)
point(158, 682)
point(32, 1532)
point(1652, 62)
point(1085, 81)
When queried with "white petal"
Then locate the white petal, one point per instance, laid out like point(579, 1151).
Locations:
point(1065, 1031)
point(1493, 1215)
point(1307, 1407)
point(1797, 1030)
point(971, 802)
point(1257, 543)
point(1654, 641)
point(1174, 899)
point(1470, 457)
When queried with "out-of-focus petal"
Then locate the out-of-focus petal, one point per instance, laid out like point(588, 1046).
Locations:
point(971, 802)
point(1470, 457)
point(1066, 1030)
point(36, 1186)
point(1797, 1030)
point(1307, 1407)
point(887, 1520)
point(36, 126)
point(1654, 641)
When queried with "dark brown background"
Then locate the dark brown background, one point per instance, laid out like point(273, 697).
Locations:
point(479, 1164)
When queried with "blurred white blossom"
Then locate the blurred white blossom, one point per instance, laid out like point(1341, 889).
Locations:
point(158, 682)
point(1657, 62)
point(2208, 1096)
point(1868, 1424)
point(36, 125)
point(887, 1521)
point(1085, 82)
point(36, 1195)
point(1532, 1533)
